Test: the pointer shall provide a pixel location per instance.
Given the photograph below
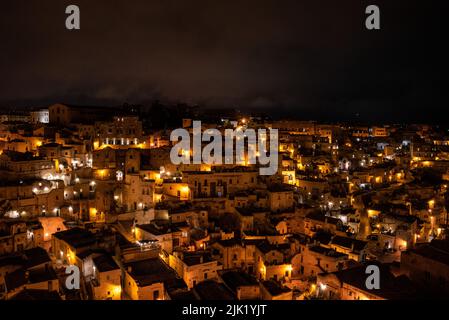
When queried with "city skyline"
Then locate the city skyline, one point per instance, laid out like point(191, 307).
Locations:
point(315, 58)
point(218, 157)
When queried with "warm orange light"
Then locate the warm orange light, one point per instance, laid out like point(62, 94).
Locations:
point(185, 189)
point(102, 173)
point(93, 214)
point(404, 245)
point(71, 256)
point(117, 290)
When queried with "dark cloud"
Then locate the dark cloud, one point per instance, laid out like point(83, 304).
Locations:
point(295, 54)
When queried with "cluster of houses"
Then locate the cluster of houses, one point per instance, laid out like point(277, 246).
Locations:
point(96, 188)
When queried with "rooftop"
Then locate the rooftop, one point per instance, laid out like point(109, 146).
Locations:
point(20, 156)
point(149, 271)
point(320, 216)
point(274, 288)
point(194, 258)
point(35, 257)
point(391, 287)
point(105, 263)
point(76, 237)
point(21, 277)
point(327, 252)
point(212, 290)
point(265, 246)
point(158, 229)
point(234, 279)
point(437, 250)
point(346, 242)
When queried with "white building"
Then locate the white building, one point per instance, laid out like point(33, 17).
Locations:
point(40, 116)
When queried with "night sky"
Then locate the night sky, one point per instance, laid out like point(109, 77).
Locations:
point(309, 58)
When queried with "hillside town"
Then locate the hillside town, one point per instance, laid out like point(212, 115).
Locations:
point(95, 188)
